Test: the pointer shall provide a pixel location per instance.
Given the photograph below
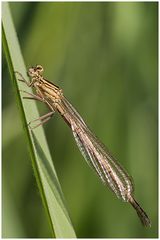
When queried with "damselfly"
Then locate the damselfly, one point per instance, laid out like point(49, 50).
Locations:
point(97, 156)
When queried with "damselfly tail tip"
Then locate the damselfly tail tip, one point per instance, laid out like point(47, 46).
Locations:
point(140, 212)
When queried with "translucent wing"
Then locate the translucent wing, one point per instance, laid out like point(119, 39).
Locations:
point(109, 172)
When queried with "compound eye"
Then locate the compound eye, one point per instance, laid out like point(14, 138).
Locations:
point(31, 71)
point(39, 69)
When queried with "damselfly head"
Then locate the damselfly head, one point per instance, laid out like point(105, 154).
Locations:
point(35, 71)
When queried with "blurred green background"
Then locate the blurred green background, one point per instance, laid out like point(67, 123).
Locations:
point(104, 57)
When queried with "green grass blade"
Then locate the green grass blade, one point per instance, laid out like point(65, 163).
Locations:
point(44, 171)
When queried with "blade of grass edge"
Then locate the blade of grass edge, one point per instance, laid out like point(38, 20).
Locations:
point(44, 171)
